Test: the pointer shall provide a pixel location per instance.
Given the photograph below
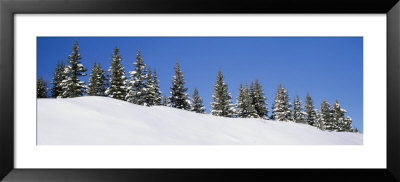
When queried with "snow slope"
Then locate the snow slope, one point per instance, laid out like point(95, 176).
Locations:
point(94, 120)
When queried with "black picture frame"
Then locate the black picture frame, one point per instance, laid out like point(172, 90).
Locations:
point(9, 8)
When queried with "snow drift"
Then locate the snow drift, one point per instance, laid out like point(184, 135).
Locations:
point(94, 120)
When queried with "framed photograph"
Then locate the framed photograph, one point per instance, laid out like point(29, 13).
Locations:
point(125, 91)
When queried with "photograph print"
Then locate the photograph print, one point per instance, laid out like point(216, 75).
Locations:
point(199, 91)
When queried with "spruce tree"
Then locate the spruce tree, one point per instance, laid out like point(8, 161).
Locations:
point(197, 104)
point(245, 108)
point(153, 93)
point(297, 114)
point(337, 117)
point(341, 123)
point(288, 105)
point(156, 87)
point(281, 107)
point(41, 88)
point(222, 99)
point(251, 112)
point(326, 118)
point(347, 124)
point(240, 103)
point(97, 81)
point(310, 113)
point(71, 85)
point(318, 122)
point(117, 79)
point(137, 90)
point(150, 96)
point(178, 99)
point(258, 99)
point(58, 77)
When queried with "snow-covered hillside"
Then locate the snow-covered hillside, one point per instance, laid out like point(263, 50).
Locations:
point(104, 121)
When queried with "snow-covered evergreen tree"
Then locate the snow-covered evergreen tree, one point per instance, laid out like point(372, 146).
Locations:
point(117, 79)
point(337, 117)
point(347, 124)
point(156, 87)
point(222, 99)
point(281, 107)
point(97, 81)
point(153, 93)
point(286, 100)
point(258, 99)
point(240, 102)
point(341, 123)
point(41, 88)
point(137, 90)
point(297, 113)
point(245, 108)
point(150, 97)
point(310, 114)
point(197, 104)
point(318, 122)
point(71, 85)
point(179, 98)
point(58, 77)
point(326, 118)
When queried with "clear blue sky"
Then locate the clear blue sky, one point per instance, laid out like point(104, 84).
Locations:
point(327, 67)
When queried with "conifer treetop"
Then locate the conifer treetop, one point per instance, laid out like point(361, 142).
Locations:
point(222, 99)
point(71, 85)
point(117, 79)
point(179, 98)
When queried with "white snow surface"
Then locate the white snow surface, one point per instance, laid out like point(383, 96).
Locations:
point(93, 120)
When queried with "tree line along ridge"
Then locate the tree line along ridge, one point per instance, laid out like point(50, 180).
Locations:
point(142, 88)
